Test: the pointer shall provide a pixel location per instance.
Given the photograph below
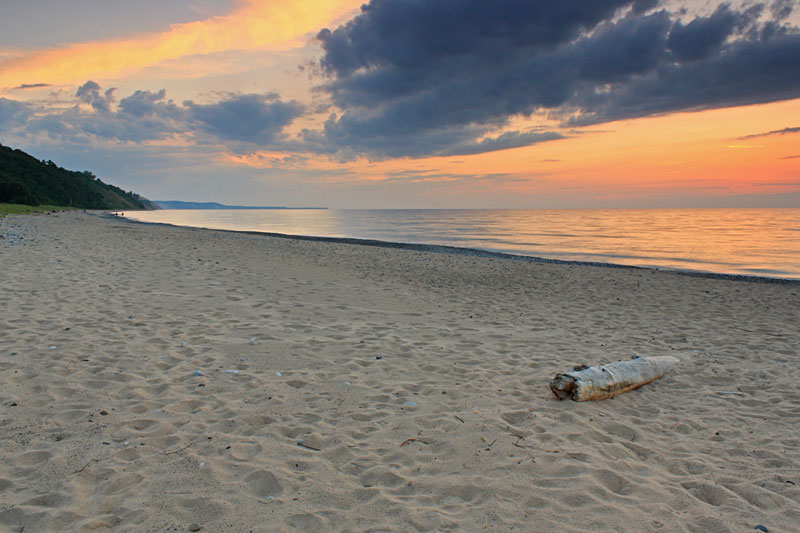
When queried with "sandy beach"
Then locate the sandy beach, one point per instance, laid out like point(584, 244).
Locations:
point(158, 378)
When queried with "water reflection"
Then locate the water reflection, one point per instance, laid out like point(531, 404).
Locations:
point(737, 241)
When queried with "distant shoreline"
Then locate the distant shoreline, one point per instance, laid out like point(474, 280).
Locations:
point(177, 204)
point(474, 252)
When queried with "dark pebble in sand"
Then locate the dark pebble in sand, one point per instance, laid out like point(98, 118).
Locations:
point(12, 404)
point(104, 413)
point(195, 527)
point(759, 527)
point(378, 357)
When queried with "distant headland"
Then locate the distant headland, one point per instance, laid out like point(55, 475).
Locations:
point(24, 180)
point(175, 204)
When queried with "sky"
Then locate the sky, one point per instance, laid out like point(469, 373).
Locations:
point(412, 103)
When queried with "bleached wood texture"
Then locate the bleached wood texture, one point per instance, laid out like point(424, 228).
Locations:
point(606, 381)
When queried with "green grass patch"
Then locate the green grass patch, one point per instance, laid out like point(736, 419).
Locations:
point(20, 209)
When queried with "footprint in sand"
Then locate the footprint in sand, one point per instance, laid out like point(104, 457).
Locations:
point(263, 484)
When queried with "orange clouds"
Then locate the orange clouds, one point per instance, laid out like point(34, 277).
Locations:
point(255, 24)
point(681, 154)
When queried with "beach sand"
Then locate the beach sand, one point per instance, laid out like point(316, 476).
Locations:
point(356, 388)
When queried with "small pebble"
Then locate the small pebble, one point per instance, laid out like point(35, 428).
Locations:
point(198, 373)
point(253, 340)
point(52, 347)
point(759, 527)
point(184, 344)
point(126, 443)
point(346, 383)
point(104, 412)
point(410, 404)
point(12, 404)
point(378, 357)
point(195, 527)
point(231, 371)
point(278, 374)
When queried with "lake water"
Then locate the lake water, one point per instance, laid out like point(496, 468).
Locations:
point(755, 242)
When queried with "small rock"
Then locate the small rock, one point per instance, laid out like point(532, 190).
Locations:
point(410, 404)
point(52, 347)
point(759, 527)
point(104, 412)
point(278, 374)
point(195, 527)
point(197, 373)
point(253, 340)
point(12, 404)
point(231, 371)
point(378, 357)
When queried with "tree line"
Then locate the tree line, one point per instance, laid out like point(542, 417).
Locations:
point(26, 180)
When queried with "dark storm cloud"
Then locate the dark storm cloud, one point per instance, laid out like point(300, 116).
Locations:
point(32, 86)
point(703, 35)
point(251, 118)
point(747, 72)
point(781, 9)
point(509, 139)
point(784, 131)
point(431, 77)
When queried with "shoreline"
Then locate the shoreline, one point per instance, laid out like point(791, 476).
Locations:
point(474, 252)
point(157, 377)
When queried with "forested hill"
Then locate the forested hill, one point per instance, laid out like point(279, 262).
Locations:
point(26, 180)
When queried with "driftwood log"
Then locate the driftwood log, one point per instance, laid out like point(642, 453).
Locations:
point(584, 383)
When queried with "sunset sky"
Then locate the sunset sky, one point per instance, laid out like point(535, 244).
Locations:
point(412, 103)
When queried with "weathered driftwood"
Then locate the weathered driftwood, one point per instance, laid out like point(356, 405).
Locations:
point(584, 383)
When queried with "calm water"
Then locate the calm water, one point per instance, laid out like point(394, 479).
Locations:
point(760, 242)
